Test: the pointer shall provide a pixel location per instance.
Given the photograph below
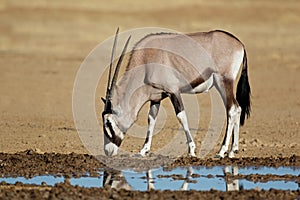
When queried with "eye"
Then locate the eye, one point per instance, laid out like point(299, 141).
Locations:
point(107, 124)
point(105, 118)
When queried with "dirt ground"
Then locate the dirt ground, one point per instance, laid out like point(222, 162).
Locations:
point(43, 43)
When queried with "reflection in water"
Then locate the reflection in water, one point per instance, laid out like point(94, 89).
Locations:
point(187, 179)
point(116, 179)
point(201, 178)
point(222, 178)
point(232, 184)
point(150, 181)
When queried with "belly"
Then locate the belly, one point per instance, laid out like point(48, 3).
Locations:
point(202, 87)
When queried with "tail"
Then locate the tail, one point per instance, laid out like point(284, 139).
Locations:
point(243, 92)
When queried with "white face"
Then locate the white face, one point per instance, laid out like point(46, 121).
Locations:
point(110, 149)
point(113, 136)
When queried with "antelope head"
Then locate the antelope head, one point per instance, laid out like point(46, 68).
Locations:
point(113, 135)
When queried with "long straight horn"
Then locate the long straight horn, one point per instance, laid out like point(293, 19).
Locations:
point(108, 93)
point(115, 77)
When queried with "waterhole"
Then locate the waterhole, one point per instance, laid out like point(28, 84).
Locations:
point(200, 178)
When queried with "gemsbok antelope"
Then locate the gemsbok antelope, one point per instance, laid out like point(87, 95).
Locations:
point(160, 71)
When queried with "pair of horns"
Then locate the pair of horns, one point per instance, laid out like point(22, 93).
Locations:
point(112, 80)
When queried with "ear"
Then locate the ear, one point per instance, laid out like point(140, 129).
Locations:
point(104, 101)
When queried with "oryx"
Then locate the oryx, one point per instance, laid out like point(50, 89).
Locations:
point(155, 66)
point(115, 179)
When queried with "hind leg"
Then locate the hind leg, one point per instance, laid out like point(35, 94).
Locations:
point(154, 108)
point(236, 130)
point(232, 126)
point(233, 110)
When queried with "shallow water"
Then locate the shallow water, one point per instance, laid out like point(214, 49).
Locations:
point(223, 178)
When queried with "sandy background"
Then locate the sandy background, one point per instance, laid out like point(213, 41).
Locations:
point(43, 43)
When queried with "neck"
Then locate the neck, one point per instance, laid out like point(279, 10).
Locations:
point(130, 95)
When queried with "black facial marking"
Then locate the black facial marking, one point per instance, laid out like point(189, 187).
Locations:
point(117, 141)
point(114, 139)
point(107, 107)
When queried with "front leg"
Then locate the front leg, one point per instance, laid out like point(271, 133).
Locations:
point(154, 108)
point(191, 144)
point(181, 116)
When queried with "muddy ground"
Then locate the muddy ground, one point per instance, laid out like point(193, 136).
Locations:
point(42, 45)
point(60, 191)
point(29, 164)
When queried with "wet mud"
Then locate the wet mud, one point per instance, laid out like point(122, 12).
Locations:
point(61, 191)
point(31, 164)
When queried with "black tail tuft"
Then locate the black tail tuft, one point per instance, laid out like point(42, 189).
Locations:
point(243, 92)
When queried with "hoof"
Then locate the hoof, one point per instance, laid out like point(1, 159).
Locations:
point(219, 156)
point(143, 154)
point(192, 155)
point(231, 155)
point(138, 155)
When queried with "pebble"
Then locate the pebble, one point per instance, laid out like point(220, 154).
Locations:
point(43, 183)
point(38, 151)
point(243, 141)
point(46, 195)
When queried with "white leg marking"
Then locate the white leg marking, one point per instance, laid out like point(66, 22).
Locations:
point(236, 129)
point(230, 125)
point(233, 127)
point(147, 145)
point(183, 120)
